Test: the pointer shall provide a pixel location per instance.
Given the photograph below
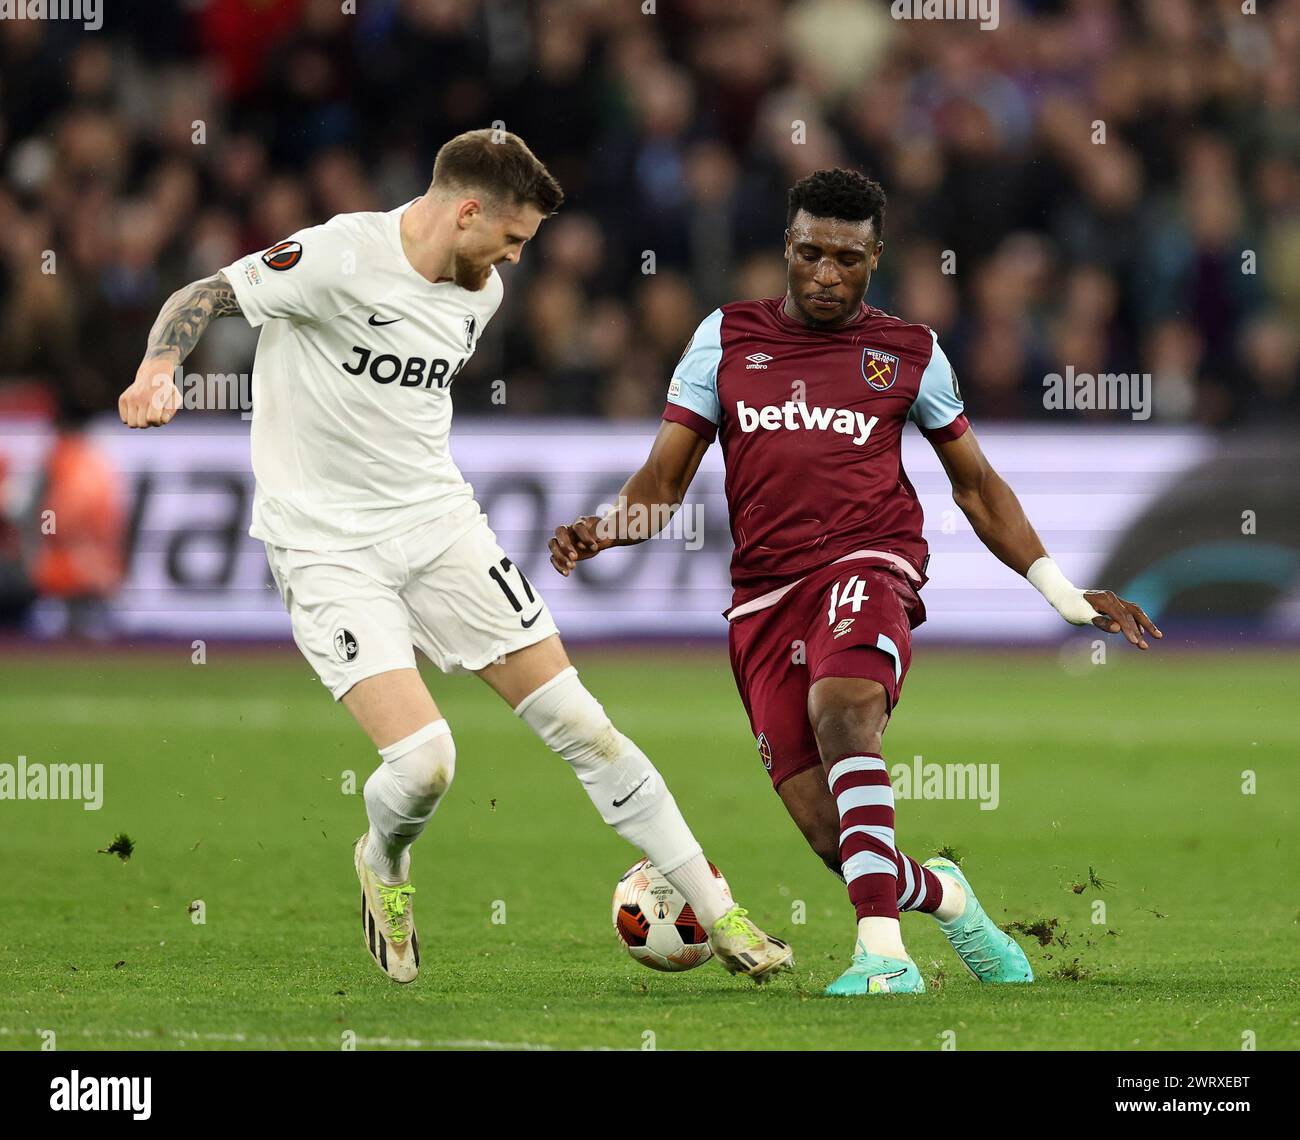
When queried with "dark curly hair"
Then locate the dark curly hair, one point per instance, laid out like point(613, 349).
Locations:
point(843, 194)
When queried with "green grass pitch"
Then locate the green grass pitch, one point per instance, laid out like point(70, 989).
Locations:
point(229, 777)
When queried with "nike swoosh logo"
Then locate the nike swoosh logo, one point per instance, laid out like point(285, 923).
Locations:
point(377, 324)
point(528, 623)
point(620, 803)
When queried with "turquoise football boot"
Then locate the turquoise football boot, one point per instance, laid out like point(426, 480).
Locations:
point(876, 974)
point(990, 954)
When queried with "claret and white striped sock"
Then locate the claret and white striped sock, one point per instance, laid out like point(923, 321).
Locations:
point(881, 880)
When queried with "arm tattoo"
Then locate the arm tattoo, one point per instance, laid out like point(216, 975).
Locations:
point(188, 311)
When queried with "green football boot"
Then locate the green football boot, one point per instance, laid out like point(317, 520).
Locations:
point(387, 920)
point(989, 953)
point(876, 974)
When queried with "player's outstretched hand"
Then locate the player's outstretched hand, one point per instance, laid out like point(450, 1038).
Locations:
point(153, 398)
point(1119, 616)
point(577, 542)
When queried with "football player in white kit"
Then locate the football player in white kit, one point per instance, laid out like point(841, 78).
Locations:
point(374, 537)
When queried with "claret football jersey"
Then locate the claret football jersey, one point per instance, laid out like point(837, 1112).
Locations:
point(352, 384)
point(810, 422)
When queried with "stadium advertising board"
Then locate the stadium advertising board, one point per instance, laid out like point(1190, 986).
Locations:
point(194, 571)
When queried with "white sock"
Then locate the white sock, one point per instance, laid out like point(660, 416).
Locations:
point(625, 787)
point(402, 795)
point(700, 888)
point(953, 905)
point(879, 935)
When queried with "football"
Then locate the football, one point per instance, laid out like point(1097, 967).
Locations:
point(655, 923)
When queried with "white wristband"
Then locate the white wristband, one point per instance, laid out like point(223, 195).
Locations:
point(1066, 598)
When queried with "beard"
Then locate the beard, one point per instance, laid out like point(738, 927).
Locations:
point(470, 276)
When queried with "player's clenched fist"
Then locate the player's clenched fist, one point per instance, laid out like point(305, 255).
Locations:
point(581, 540)
point(153, 398)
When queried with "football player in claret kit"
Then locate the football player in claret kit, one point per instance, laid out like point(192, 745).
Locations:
point(809, 394)
point(374, 537)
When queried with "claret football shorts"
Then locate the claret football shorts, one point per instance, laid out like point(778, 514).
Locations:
point(849, 619)
point(462, 602)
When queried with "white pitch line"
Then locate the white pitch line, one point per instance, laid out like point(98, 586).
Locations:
point(263, 715)
point(192, 712)
point(333, 1043)
point(258, 714)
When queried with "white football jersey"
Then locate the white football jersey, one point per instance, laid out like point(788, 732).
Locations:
point(352, 384)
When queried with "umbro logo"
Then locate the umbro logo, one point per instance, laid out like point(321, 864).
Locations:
point(374, 320)
point(757, 360)
point(845, 625)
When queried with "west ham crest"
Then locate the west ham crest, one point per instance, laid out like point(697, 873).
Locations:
point(879, 369)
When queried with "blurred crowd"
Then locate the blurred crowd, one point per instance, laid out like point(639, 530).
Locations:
point(1109, 186)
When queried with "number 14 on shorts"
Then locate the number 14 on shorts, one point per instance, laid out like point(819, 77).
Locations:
point(852, 592)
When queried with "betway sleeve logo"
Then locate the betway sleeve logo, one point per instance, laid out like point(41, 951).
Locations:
point(792, 417)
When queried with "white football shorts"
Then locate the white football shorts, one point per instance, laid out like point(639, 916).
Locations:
point(462, 602)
